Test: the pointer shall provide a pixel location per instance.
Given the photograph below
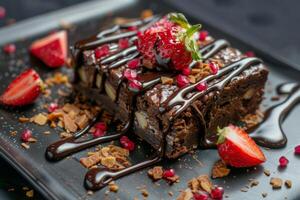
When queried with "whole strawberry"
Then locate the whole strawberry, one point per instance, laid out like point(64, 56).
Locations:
point(236, 148)
point(169, 43)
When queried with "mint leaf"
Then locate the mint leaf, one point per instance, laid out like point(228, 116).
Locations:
point(192, 47)
point(193, 29)
point(180, 19)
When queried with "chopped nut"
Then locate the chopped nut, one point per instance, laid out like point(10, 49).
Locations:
point(90, 193)
point(288, 183)
point(166, 80)
point(264, 194)
point(69, 124)
point(82, 121)
point(253, 183)
point(173, 179)
point(267, 172)
point(24, 119)
point(205, 183)
point(146, 13)
point(40, 119)
point(276, 183)
point(32, 140)
point(47, 132)
point(30, 193)
point(26, 146)
point(144, 192)
point(185, 195)
point(65, 135)
point(156, 173)
point(113, 187)
point(171, 193)
point(220, 170)
point(13, 133)
point(108, 161)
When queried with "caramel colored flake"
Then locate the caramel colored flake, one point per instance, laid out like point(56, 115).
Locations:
point(13, 133)
point(146, 13)
point(108, 161)
point(166, 80)
point(65, 135)
point(113, 187)
point(40, 119)
point(156, 173)
point(288, 183)
point(276, 183)
point(220, 170)
point(81, 121)
point(185, 195)
point(69, 123)
point(24, 145)
point(205, 183)
point(24, 119)
point(30, 193)
point(253, 183)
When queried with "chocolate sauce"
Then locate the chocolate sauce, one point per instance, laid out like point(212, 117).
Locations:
point(269, 133)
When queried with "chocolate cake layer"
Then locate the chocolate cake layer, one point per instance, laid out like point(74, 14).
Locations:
point(164, 115)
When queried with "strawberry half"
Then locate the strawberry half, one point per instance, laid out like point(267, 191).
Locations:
point(23, 90)
point(170, 43)
point(52, 50)
point(237, 149)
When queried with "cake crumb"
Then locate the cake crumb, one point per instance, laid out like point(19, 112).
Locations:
point(220, 170)
point(30, 193)
point(276, 183)
point(288, 183)
point(156, 173)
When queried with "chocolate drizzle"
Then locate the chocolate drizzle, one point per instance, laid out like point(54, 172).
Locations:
point(269, 133)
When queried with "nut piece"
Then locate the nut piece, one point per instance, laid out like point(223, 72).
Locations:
point(141, 118)
point(40, 119)
point(185, 195)
point(288, 183)
point(205, 183)
point(220, 170)
point(267, 172)
point(113, 187)
point(110, 90)
point(156, 173)
point(276, 183)
point(166, 80)
point(249, 94)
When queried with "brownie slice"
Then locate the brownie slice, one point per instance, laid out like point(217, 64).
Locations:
point(102, 79)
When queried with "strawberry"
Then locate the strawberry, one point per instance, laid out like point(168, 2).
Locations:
point(23, 90)
point(170, 42)
point(52, 50)
point(237, 149)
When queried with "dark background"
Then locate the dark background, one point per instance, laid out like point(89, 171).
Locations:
point(270, 24)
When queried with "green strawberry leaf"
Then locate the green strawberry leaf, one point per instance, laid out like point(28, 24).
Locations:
point(192, 47)
point(193, 29)
point(180, 19)
point(221, 134)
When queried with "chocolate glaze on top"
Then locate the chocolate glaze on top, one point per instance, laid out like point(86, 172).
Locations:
point(98, 178)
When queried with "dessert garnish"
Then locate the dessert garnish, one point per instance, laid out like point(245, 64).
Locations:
point(23, 90)
point(237, 149)
point(283, 162)
point(297, 150)
point(9, 48)
point(26, 135)
point(52, 49)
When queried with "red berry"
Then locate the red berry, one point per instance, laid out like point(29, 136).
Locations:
point(2, 12)
point(182, 80)
point(123, 43)
point(201, 86)
point(203, 35)
point(134, 63)
point(217, 193)
point(102, 51)
point(101, 125)
point(169, 173)
point(297, 150)
point(52, 107)
point(201, 196)
point(213, 67)
point(283, 161)
point(186, 71)
point(130, 74)
point(26, 135)
point(249, 54)
point(127, 143)
point(134, 86)
point(98, 133)
point(9, 48)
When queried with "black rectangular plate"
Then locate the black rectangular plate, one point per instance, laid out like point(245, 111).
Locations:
point(64, 179)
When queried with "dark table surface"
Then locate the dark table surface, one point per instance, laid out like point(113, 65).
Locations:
point(276, 21)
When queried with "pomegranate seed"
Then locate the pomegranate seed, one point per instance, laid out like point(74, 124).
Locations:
point(182, 80)
point(98, 133)
point(134, 63)
point(249, 54)
point(2, 12)
point(130, 74)
point(297, 150)
point(127, 143)
point(169, 173)
point(102, 51)
point(201, 86)
point(203, 35)
point(135, 86)
point(283, 161)
point(101, 126)
point(213, 67)
point(201, 196)
point(9, 48)
point(123, 43)
point(217, 193)
point(26, 135)
point(52, 107)
point(186, 71)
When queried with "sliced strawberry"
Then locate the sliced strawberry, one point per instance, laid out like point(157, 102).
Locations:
point(23, 90)
point(237, 149)
point(52, 50)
